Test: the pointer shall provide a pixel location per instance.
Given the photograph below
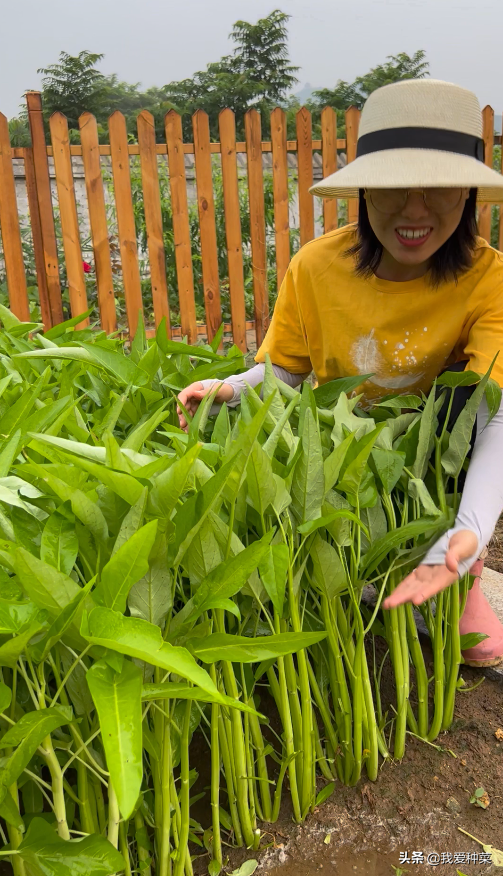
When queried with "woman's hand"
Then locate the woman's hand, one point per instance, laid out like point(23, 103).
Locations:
point(425, 581)
point(191, 396)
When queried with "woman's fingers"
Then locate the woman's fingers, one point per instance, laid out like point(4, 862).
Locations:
point(190, 398)
point(462, 545)
point(187, 394)
point(426, 581)
point(436, 580)
point(423, 583)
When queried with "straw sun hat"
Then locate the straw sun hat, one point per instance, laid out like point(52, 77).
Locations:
point(419, 133)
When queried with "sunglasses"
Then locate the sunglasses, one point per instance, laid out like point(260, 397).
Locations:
point(394, 200)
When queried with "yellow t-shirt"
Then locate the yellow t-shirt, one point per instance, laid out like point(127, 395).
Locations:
point(328, 319)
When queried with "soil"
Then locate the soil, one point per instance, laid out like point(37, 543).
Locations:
point(495, 550)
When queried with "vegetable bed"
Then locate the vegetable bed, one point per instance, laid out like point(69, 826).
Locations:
point(155, 584)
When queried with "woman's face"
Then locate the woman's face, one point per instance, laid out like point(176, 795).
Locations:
point(421, 224)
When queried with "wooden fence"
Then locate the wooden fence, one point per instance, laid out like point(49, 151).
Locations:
point(120, 150)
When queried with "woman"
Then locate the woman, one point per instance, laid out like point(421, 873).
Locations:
point(407, 292)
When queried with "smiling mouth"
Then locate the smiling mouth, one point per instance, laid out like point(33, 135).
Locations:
point(413, 236)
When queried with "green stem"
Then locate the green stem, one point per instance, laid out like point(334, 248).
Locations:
point(439, 670)
point(377, 681)
point(176, 821)
point(402, 621)
point(442, 500)
point(58, 792)
point(88, 819)
point(308, 788)
point(87, 809)
point(455, 656)
point(293, 699)
point(124, 848)
point(113, 817)
point(357, 711)
point(143, 853)
point(239, 754)
point(321, 760)
point(157, 771)
point(376, 743)
point(228, 766)
point(231, 529)
point(291, 753)
point(254, 804)
point(166, 777)
point(183, 840)
point(340, 694)
point(15, 837)
point(323, 709)
point(67, 675)
point(258, 742)
point(215, 778)
point(274, 686)
point(401, 702)
point(420, 668)
point(464, 588)
point(100, 805)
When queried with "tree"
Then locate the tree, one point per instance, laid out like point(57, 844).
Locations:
point(19, 132)
point(257, 74)
point(396, 68)
point(216, 88)
point(262, 53)
point(73, 86)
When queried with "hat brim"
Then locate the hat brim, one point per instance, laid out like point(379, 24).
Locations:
point(412, 168)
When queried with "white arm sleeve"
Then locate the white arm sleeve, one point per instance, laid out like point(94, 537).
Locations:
point(482, 500)
point(252, 377)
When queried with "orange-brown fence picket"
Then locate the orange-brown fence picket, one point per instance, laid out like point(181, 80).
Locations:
point(53, 215)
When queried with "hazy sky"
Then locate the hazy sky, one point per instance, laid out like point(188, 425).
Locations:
point(157, 41)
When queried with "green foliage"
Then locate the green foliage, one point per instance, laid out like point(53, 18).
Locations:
point(153, 581)
point(257, 74)
point(395, 69)
point(46, 854)
point(19, 132)
point(480, 798)
point(169, 245)
point(346, 94)
point(262, 53)
point(73, 86)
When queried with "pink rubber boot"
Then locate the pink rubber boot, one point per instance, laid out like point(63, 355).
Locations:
point(478, 617)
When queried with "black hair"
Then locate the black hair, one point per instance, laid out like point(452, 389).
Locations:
point(447, 263)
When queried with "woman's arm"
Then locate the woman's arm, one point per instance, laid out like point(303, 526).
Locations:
point(482, 500)
point(252, 377)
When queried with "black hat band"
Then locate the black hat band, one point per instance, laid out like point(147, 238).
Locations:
point(421, 138)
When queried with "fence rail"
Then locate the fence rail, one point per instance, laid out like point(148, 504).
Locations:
point(54, 216)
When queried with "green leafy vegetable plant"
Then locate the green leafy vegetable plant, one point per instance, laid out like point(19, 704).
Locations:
point(159, 587)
